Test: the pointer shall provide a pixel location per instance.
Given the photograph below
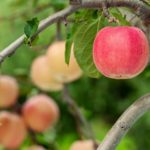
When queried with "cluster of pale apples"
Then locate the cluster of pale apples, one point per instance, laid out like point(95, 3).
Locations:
point(49, 72)
point(38, 113)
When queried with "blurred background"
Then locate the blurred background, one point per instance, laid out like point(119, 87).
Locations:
point(101, 100)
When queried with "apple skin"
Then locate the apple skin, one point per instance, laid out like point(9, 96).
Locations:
point(43, 78)
point(83, 145)
point(12, 130)
point(120, 52)
point(56, 59)
point(40, 112)
point(9, 91)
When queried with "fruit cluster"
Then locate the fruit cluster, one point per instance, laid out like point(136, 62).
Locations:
point(49, 72)
point(38, 113)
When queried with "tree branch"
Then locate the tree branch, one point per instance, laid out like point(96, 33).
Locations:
point(144, 13)
point(43, 25)
point(125, 122)
point(75, 111)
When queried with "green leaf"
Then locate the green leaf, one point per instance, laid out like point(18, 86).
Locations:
point(69, 42)
point(31, 27)
point(118, 15)
point(58, 4)
point(83, 45)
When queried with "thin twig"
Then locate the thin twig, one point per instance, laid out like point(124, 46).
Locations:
point(75, 111)
point(125, 122)
point(107, 14)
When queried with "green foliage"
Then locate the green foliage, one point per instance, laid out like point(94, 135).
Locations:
point(31, 27)
point(68, 46)
point(58, 4)
point(83, 47)
point(93, 21)
point(117, 14)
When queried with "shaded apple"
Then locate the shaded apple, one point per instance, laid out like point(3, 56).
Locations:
point(42, 77)
point(40, 112)
point(12, 130)
point(56, 59)
point(9, 91)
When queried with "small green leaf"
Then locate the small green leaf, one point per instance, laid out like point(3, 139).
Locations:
point(31, 27)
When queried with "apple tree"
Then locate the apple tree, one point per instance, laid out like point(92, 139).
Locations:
point(71, 80)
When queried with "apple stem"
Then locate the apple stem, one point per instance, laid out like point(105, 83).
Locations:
point(125, 122)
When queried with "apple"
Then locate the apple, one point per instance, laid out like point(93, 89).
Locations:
point(9, 91)
point(83, 145)
point(42, 77)
point(56, 59)
point(12, 130)
point(40, 112)
point(120, 52)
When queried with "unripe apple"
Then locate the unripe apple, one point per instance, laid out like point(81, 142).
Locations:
point(42, 77)
point(83, 145)
point(120, 52)
point(36, 147)
point(12, 130)
point(40, 112)
point(56, 59)
point(9, 91)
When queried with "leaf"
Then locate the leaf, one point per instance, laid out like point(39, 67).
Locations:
point(58, 4)
point(85, 15)
point(69, 42)
point(31, 27)
point(83, 45)
point(118, 15)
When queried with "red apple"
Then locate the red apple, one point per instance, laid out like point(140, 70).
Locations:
point(12, 130)
point(83, 145)
point(9, 91)
point(120, 52)
point(56, 59)
point(42, 77)
point(40, 112)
